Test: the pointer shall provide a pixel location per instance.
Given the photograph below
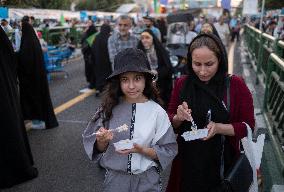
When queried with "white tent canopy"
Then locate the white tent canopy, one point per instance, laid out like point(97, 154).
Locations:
point(42, 13)
point(127, 8)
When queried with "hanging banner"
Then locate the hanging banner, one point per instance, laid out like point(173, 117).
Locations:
point(3, 12)
point(83, 16)
point(163, 2)
point(226, 4)
point(250, 7)
point(200, 3)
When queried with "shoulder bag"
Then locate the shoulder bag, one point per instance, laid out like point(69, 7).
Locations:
point(239, 177)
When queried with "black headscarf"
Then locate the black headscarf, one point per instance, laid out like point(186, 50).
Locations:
point(15, 154)
point(214, 30)
point(105, 30)
point(162, 55)
point(164, 67)
point(34, 90)
point(201, 159)
point(102, 62)
point(89, 57)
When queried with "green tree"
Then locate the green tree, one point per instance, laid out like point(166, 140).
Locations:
point(272, 4)
point(45, 4)
point(102, 5)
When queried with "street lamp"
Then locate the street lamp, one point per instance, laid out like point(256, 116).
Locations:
point(262, 13)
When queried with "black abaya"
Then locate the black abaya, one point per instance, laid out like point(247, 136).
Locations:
point(34, 91)
point(100, 52)
point(16, 162)
point(89, 58)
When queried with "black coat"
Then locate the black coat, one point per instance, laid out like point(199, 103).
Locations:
point(89, 58)
point(15, 155)
point(100, 52)
point(34, 90)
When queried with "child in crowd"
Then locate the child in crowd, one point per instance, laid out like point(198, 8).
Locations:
point(130, 98)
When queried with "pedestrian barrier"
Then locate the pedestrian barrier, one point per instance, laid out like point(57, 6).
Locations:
point(253, 41)
point(60, 34)
point(260, 46)
point(53, 60)
point(265, 49)
point(280, 49)
point(274, 103)
point(267, 56)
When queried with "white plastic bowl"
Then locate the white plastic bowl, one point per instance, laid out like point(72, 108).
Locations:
point(123, 145)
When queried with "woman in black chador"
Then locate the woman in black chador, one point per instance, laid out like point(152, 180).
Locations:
point(159, 63)
point(102, 62)
point(87, 54)
point(16, 162)
point(34, 91)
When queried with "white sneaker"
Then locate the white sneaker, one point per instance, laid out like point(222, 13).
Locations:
point(38, 125)
point(85, 90)
point(28, 126)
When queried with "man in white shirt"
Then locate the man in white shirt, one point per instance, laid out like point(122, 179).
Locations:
point(5, 26)
point(121, 39)
point(223, 31)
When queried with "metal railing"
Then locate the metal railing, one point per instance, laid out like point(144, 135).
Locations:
point(267, 54)
point(274, 104)
point(266, 46)
point(59, 35)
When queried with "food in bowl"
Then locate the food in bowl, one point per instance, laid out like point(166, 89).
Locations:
point(123, 145)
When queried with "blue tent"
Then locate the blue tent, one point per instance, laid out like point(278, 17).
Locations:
point(83, 15)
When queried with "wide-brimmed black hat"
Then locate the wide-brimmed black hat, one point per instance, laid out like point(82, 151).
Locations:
point(131, 60)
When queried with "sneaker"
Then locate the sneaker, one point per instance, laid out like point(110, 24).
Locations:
point(28, 125)
point(85, 90)
point(36, 124)
point(97, 93)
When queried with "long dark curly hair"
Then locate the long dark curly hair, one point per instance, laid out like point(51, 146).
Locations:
point(112, 94)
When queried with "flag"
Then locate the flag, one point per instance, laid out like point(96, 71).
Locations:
point(91, 38)
point(62, 20)
point(226, 4)
point(164, 2)
point(156, 6)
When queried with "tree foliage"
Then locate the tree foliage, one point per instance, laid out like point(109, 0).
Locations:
point(102, 5)
point(44, 4)
point(272, 4)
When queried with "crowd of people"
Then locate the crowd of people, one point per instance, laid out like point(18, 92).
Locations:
point(127, 33)
point(131, 71)
point(272, 25)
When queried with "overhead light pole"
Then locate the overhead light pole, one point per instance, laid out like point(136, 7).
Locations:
point(262, 14)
